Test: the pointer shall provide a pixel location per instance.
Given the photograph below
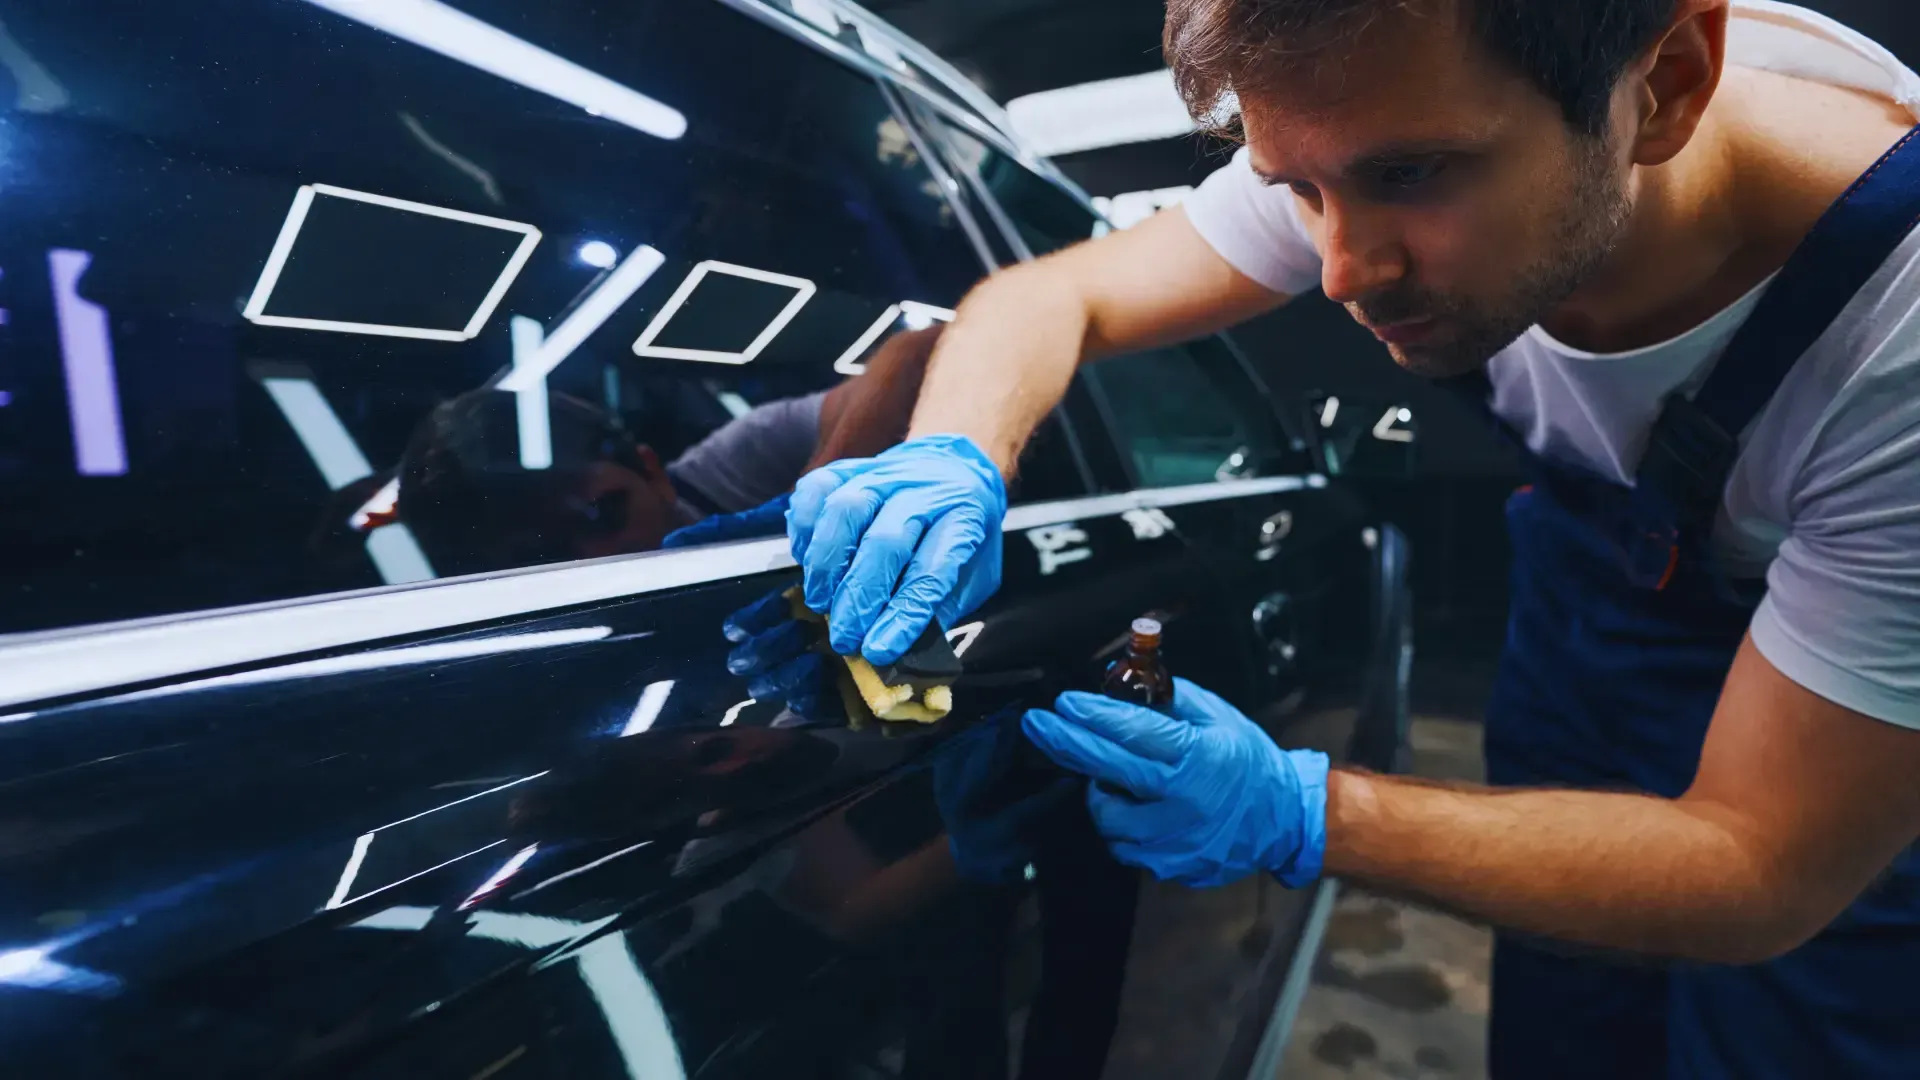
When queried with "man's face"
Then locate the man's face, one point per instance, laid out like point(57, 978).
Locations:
point(624, 510)
point(1453, 205)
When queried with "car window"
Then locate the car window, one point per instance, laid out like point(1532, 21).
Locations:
point(1045, 215)
point(1182, 417)
point(347, 294)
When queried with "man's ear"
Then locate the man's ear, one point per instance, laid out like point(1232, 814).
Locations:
point(1670, 87)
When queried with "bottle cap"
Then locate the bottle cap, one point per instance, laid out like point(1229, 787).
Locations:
point(1147, 627)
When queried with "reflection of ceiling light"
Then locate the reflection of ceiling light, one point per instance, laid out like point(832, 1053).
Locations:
point(735, 405)
point(1329, 412)
point(297, 217)
point(803, 291)
point(1386, 432)
point(35, 968)
point(459, 36)
point(849, 362)
point(921, 316)
point(507, 869)
point(1111, 112)
point(1130, 208)
point(537, 355)
point(734, 711)
point(391, 546)
point(86, 354)
point(917, 316)
point(319, 429)
point(818, 13)
point(380, 659)
point(635, 1016)
point(1406, 415)
point(647, 710)
point(16, 963)
point(598, 254)
point(379, 508)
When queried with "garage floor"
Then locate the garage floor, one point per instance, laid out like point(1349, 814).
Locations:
point(1400, 991)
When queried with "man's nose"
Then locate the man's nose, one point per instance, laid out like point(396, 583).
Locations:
point(1359, 256)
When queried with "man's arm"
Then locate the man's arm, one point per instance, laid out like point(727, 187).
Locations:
point(1008, 357)
point(869, 412)
point(1798, 804)
point(912, 536)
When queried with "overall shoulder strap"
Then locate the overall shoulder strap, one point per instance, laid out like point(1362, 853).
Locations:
point(1851, 241)
point(1691, 451)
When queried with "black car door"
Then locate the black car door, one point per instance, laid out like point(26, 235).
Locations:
point(358, 359)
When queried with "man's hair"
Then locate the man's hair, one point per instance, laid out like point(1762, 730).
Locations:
point(1574, 51)
point(473, 506)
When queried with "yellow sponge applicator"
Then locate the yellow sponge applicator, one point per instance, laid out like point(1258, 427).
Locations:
point(917, 689)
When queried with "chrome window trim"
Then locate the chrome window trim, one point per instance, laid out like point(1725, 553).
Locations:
point(58, 664)
point(998, 213)
point(812, 36)
point(985, 118)
point(961, 212)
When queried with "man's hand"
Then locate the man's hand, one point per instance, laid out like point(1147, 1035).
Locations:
point(1202, 797)
point(925, 515)
point(763, 520)
point(771, 652)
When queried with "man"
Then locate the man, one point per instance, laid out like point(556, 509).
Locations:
point(475, 509)
point(1667, 243)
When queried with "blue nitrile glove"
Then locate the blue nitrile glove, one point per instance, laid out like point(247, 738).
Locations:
point(770, 651)
point(1202, 797)
point(930, 508)
point(763, 520)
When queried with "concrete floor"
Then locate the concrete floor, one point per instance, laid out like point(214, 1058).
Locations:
point(1400, 991)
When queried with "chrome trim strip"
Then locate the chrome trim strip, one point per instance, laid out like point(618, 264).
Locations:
point(1093, 506)
point(954, 199)
point(1273, 1044)
point(811, 35)
point(60, 663)
point(984, 118)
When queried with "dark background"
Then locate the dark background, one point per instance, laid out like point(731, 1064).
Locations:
point(1450, 502)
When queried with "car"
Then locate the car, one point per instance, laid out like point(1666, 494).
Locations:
point(365, 710)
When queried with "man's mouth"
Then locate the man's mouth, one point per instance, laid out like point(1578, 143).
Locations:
point(1405, 332)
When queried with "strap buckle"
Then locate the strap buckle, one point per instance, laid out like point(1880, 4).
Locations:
point(1688, 460)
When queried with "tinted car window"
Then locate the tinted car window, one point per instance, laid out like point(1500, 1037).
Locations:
point(1181, 423)
point(1045, 215)
point(1184, 415)
point(260, 264)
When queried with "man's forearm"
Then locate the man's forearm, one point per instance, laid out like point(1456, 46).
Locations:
point(1617, 871)
point(1004, 363)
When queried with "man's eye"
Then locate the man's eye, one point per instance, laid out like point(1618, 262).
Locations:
point(1410, 174)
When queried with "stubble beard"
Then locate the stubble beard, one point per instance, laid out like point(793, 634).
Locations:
point(1588, 233)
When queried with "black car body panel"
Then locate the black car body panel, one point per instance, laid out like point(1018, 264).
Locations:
point(529, 822)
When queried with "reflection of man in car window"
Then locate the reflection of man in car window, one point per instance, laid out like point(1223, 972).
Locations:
point(475, 508)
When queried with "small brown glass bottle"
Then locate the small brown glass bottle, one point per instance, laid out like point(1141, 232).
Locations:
point(1140, 676)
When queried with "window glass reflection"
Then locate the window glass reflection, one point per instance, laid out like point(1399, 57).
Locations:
point(293, 302)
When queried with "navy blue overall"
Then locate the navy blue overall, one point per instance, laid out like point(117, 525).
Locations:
point(1620, 635)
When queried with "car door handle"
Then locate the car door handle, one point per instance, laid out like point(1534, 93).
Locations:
point(1277, 528)
point(1272, 531)
point(1273, 624)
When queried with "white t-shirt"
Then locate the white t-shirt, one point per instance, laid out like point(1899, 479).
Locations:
point(1825, 496)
